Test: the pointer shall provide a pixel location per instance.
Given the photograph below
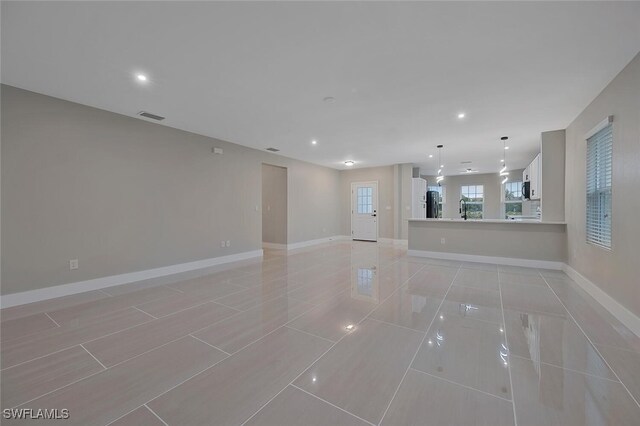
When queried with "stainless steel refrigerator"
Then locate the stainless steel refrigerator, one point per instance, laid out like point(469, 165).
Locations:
point(433, 200)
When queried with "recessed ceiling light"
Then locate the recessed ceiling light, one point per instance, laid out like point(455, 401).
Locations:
point(506, 147)
point(314, 142)
point(501, 160)
point(461, 115)
point(430, 155)
point(329, 99)
point(349, 163)
point(141, 77)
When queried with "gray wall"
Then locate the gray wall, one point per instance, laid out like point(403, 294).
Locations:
point(274, 204)
point(384, 176)
point(124, 195)
point(492, 192)
point(552, 163)
point(615, 271)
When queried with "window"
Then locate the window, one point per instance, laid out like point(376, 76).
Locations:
point(473, 195)
point(440, 191)
point(365, 200)
point(599, 152)
point(512, 199)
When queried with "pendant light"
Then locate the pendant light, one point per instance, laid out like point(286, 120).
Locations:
point(503, 171)
point(440, 177)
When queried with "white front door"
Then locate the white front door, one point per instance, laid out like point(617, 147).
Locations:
point(364, 211)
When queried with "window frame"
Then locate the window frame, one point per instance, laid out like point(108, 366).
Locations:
point(482, 203)
point(606, 124)
point(506, 202)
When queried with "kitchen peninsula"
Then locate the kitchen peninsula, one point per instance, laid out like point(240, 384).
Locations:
point(509, 242)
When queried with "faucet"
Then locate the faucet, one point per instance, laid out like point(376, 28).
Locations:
point(464, 216)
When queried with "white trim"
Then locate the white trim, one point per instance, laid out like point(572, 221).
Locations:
point(623, 315)
point(395, 242)
point(276, 246)
point(31, 296)
point(510, 261)
point(308, 243)
point(601, 125)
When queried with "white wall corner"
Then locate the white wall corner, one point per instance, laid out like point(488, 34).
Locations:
point(622, 314)
point(15, 299)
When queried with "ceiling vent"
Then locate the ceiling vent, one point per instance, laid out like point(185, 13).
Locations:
point(465, 162)
point(273, 149)
point(151, 116)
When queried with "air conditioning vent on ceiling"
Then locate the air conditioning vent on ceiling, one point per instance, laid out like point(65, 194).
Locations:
point(273, 149)
point(465, 162)
point(151, 116)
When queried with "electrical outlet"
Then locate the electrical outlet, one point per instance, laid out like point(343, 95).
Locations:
point(222, 243)
point(228, 243)
point(73, 264)
point(442, 241)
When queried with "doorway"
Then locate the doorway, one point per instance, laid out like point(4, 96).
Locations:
point(364, 211)
point(274, 207)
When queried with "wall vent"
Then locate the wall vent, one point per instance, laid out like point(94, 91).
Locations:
point(273, 149)
point(151, 116)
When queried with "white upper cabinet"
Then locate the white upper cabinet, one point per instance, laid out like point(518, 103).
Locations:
point(534, 170)
point(531, 174)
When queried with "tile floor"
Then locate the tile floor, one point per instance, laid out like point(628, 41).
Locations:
point(348, 333)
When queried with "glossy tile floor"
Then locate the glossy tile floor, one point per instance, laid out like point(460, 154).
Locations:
point(348, 333)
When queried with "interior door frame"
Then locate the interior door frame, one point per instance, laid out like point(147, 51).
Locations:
point(353, 185)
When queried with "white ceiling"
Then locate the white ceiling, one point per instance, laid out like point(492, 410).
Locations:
point(256, 73)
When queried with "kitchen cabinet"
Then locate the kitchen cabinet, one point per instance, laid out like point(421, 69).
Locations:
point(534, 170)
point(531, 174)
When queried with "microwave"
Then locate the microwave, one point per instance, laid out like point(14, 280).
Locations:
point(526, 190)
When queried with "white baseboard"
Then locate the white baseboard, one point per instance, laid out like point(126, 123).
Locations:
point(308, 243)
point(276, 246)
point(625, 316)
point(394, 241)
point(37, 295)
point(511, 261)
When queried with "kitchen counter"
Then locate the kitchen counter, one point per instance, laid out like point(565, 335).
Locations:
point(525, 221)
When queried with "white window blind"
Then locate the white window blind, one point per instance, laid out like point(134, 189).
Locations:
point(599, 153)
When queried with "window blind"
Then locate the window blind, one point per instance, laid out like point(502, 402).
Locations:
point(599, 154)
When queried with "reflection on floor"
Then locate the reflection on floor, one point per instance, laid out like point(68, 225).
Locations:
point(339, 334)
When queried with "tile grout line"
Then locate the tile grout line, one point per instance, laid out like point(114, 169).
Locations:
point(168, 390)
point(310, 334)
point(129, 328)
point(590, 341)
point(327, 351)
point(506, 340)
point(396, 325)
point(92, 356)
point(146, 313)
point(155, 414)
point(568, 369)
point(419, 346)
point(333, 405)
point(209, 344)
point(54, 321)
point(460, 384)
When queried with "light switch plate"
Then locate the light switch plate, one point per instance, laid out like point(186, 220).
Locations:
point(73, 264)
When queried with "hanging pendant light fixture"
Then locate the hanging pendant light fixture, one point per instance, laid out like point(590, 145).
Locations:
point(440, 177)
point(503, 171)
